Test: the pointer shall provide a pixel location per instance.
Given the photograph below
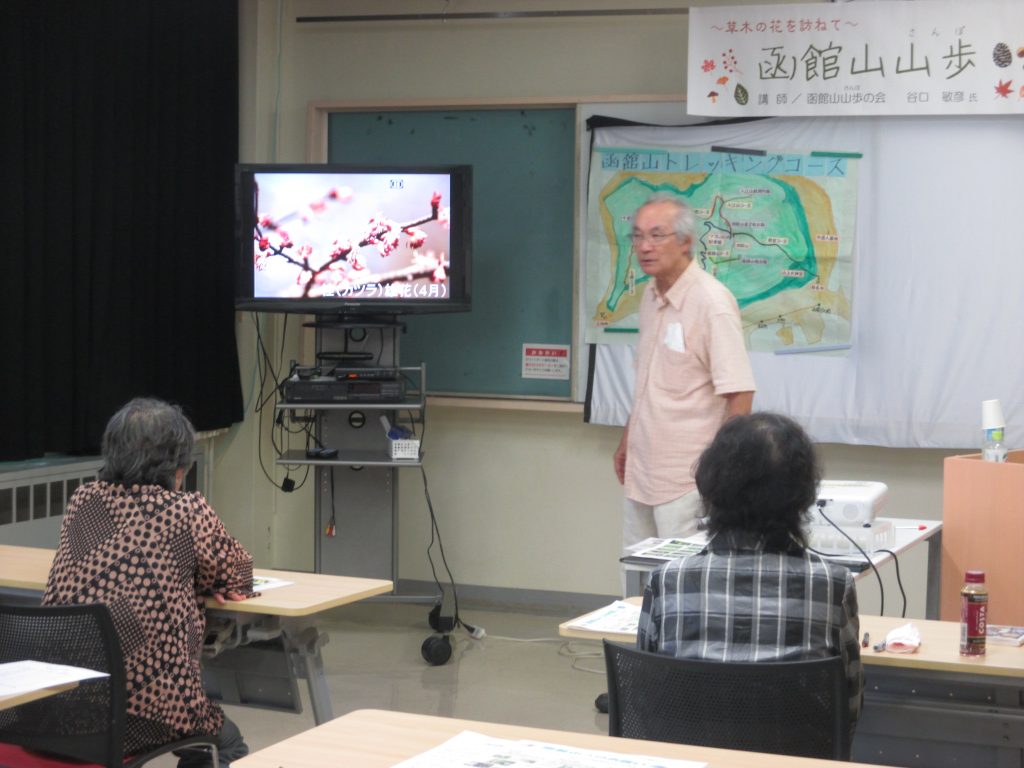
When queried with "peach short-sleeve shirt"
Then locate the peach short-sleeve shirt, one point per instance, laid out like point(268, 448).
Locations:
point(690, 353)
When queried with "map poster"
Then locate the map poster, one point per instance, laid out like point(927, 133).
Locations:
point(871, 58)
point(776, 228)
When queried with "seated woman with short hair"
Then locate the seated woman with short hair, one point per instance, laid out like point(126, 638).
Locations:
point(756, 593)
point(134, 541)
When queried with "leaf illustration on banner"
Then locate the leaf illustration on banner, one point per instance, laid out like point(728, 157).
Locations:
point(741, 95)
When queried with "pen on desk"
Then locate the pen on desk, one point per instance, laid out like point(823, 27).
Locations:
point(866, 641)
point(911, 527)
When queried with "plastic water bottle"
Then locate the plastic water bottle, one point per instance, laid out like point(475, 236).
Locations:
point(994, 449)
point(973, 614)
point(994, 425)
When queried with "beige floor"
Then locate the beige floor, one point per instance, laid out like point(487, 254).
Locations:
point(521, 672)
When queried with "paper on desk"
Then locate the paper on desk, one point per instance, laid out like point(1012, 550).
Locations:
point(620, 616)
point(667, 549)
point(471, 750)
point(25, 676)
point(263, 583)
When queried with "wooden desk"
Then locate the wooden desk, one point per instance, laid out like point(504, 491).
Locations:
point(939, 651)
point(17, 699)
point(931, 708)
point(27, 568)
point(254, 647)
point(371, 738)
point(907, 534)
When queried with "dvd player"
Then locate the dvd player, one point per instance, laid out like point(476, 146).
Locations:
point(328, 389)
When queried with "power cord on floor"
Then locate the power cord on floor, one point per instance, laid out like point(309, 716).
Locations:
point(477, 633)
point(577, 656)
point(566, 648)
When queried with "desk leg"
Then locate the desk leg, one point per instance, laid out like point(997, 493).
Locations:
point(934, 584)
point(304, 642)
point(634, 581)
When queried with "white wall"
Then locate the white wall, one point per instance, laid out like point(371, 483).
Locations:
point(524, 499)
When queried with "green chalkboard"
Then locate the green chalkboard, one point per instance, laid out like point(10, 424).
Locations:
point(522, 274)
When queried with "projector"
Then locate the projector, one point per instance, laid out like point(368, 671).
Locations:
point(848, 502)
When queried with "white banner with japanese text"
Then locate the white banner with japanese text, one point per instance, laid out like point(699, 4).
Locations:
point(872, 58)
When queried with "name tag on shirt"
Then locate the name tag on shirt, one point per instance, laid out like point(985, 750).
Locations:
point(674, 337)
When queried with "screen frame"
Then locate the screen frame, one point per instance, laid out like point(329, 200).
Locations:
point(459, 256)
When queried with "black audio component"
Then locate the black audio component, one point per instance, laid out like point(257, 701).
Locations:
point(328, 389)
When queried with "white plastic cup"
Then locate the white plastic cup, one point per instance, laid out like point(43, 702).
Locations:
point(992, 415)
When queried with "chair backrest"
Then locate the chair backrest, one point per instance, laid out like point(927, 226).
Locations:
point(783, 707)
point(86, 723)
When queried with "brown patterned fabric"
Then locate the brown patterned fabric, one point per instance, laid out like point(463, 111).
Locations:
point(151, 555)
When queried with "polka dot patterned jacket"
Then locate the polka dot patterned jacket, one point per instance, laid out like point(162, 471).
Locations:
point(151, 555)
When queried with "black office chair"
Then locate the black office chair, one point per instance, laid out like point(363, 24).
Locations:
point(86, 723)
point(783, 707)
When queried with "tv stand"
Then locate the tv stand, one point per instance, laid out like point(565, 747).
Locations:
point(343, 321)
point(344, 357)
point(349, 327)
point(355, 521)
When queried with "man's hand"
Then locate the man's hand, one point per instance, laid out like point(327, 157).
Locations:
point(619, 458)
point(223, 598)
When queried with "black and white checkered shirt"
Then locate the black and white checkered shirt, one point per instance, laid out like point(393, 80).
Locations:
point(737, 602)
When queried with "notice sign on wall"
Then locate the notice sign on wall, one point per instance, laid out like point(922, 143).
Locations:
point(546, 361)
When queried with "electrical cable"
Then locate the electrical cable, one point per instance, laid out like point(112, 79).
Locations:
point(899, 581)
point(264, 368)
point(332, 527)
point(435, 536)
point(566, 649)
point(867, 559)
point(412, 425)
point(267, 400)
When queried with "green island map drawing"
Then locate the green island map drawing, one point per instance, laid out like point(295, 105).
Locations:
point(781, 241)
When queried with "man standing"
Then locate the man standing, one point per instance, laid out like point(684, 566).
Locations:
point(692, 374)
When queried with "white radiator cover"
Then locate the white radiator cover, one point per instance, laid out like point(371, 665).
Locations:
point(33, 494)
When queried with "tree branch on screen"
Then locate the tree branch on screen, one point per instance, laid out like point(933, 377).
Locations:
point(343, 269)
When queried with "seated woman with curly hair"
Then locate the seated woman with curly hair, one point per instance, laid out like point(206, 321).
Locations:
point(756, 593)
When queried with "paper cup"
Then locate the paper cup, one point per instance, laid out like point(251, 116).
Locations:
point(991, 415)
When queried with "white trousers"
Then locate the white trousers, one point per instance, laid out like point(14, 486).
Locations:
point(675, 519)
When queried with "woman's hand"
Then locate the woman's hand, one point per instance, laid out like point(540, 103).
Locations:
point(224, 597)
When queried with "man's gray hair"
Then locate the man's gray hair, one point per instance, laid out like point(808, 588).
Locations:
point(145, 443)
point(684, 222)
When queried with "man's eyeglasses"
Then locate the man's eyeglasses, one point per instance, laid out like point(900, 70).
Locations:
point(655, 238)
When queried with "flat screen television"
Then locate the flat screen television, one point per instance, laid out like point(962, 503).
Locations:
point(348, 241)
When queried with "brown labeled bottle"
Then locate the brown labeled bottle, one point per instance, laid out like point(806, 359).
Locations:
point(973, 614)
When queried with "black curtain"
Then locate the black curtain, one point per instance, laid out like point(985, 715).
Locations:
point(120, 133)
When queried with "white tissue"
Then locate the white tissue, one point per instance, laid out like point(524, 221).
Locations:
point(905, 639)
